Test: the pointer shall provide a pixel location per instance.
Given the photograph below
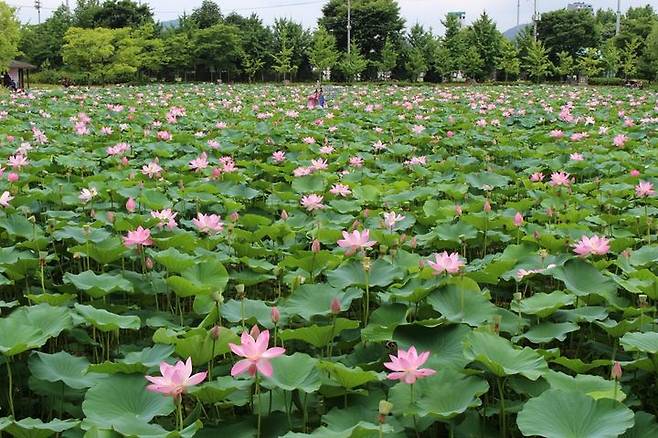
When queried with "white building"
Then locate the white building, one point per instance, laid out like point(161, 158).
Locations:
point(461, 16)
point(580, 6)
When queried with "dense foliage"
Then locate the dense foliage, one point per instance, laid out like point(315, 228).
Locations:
point(208, 46)
point(507, 234)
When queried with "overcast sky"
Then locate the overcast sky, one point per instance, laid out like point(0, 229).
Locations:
point(426, 12)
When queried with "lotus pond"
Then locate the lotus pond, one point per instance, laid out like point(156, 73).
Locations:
point(422, 262)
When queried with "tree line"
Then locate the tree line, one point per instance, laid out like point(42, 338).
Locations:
point(119, 41)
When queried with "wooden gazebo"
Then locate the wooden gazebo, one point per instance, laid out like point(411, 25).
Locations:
point(20, 73)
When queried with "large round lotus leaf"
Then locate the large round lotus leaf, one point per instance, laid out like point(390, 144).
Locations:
point(542, 304)
point(382, 273)
point(205, 277)
point(62, 367)
point(315, 299)
point(319, 336)
point(104, 252)
point(135, 362)
point(31, 327)
point(645, 342)
point(35, 428)
point(383, 322)
point(645, 426)
point(501, 358)
point(645, 255)
point(430, 394)
point(249, 311)
point(582, 279)
point(595, 386)
point(414, 290)
point(219, 389)
point(174, 260)
point(297, 371)
point(98, 285)
point(548, 331)
point(561, 414)
point(107, 321)
point(348, 377)
point(119, 402)
point(197, 343)
point(443, 342)
point(461, 301)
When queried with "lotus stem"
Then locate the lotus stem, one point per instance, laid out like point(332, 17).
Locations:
point(413, 403)
point(11, 387)
point(503, 415)
point(257, 391)
point(179, 413)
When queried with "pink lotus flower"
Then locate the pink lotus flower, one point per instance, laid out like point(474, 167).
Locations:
point(199, 163)
point(131, 205)
point(312, 202)
point(356, 161)
point(418, 129)
point(450, 264)
point(644, 189)
point(556, 133)
point(257, 355)
point(635, 173)
point(592, 245)
point(340, 190)
point(275, 314)
point(356, 241)
point(87, 195)
point(12, 177)
point(319, 164)
point(18, 161)
point(5, 198)
point(560, 179)
point(518, 219)
point(139, 237)
point(175, 378)
point(458, 210)
point(405, 366)
point(279, 156)
point(537, 177)
point(308, 140)
point(620, 140)
point(166, 217)
point(576, 156)
point(326, 149)
point(164, 136)
point(392, 218)
point(152, 169)
point(209, 224)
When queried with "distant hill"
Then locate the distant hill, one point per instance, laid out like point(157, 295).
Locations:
point(511, 34)
point(170, 23)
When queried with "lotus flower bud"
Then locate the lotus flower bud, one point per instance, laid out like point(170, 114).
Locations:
point(124, 161)
point(254, 332)
point(239, 289)
point(131, 205)
point(284, 215)
point(635, 172)
point(518, 219)
point(149, 263)
point(335, 306)
point(413, 243)
point(233, 217)
point(458, 210)
point(12, 177)
point(110, 216)
point(276, 315)
point(487, 206)
point(215, 332)
point(366, 212)
point(315, 246)
point(616, 371)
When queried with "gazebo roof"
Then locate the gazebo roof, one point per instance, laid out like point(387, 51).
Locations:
point(21, 64)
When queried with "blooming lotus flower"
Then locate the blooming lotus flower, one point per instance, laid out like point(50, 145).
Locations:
point(209, 224)
point(87, 195)
point(164, 135)
point(392, 218)
point(12, 177)
point(356, 161)
point(18, 161)
point(418, 129)
point(537, 177)
point(139, 237)
point(356, 241)
point(450, 264)
point(620, 140)
point(560, 179)
point(319, 164)
point(312, 202)
point(5, 198)
point(406, 366)
point(326, 149)
point(340, 190)
point(253, 347)
point(308, 140)
point(199, 163)
point(576, 156)
point(175, 378)
point(131, 205)
point(279, 156)
point(644, 189)
point(556, 133)
point(152, 169)
point(592, 245)
point(635, 173)
point(166, 217)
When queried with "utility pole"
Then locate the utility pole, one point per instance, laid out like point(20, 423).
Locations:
point(349, 26)
point(37, 6)
point(535, 19)
point(618, 29)
point(518, 13)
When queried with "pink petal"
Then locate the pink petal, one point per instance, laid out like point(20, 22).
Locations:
point(265, 367)
point(273, 352)
point(197, 378)
point(241, 367)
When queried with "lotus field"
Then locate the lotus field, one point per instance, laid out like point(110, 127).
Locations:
point(204, 260)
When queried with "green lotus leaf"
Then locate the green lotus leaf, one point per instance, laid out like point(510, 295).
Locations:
point(382, 273)
point(347, 377)
point(548, 331)
point(461, 301)
point(107, 321)
point(35, 428)
point(319, 336)
point(62, 367)
point(644, 342)
point(295, 372)
point(542, 304)
point(205, 277)
point(98, 285)
point(311, 300)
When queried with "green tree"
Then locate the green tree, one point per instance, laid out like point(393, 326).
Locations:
point(388, 59)
point(651, 51)
point(486, 39)
point(207, 15)
point(283, 62)
point(589, 63)
point(606, 21)
point(454, 42)
point(116, 14)
point(611, 58)
point(565, 64)
point(323, 54)
point(85, 12)
point(10, 34)
point(441, 60)
point(415, 65)
point(256, 39)
point(508, 60)
point(568, 30)
point(41, 43)
point(471, 63)
point(252, 66)
point(537, 63)
point(152, 54)
point(629, 58)
point(178, 52)
point(353, 64)
point(373, 22)
point(218, 48)
point(298, 40)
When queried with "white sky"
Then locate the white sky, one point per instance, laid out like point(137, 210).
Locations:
point(426, 12)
